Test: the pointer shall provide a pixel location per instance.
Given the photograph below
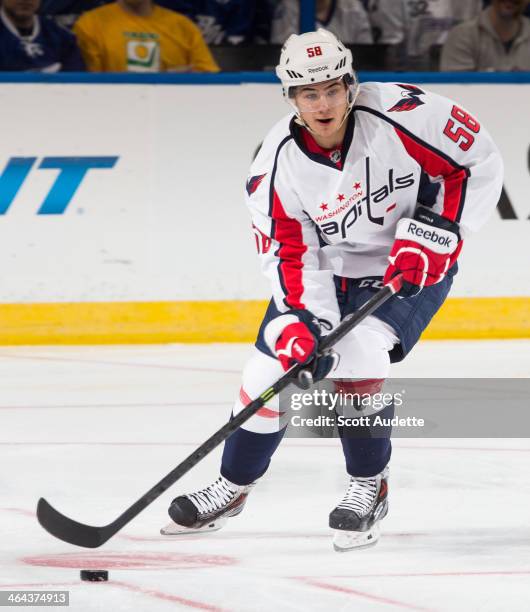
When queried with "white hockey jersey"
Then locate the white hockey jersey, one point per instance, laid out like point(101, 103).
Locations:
point(318, 215)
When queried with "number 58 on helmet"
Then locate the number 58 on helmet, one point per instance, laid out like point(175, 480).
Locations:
point(312, 58)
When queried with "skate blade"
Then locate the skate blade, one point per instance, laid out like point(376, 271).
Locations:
point(344, 541)
point(172, 529)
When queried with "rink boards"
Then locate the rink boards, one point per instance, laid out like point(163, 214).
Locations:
point(122, 215)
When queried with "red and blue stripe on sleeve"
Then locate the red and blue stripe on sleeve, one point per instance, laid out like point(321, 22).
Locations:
point(436, 164)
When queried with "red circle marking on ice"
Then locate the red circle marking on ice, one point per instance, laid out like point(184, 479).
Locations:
point(132, 560)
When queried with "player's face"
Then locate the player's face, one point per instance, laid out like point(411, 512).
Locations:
point(21, 9)
point(322, 106)
point(509, 8)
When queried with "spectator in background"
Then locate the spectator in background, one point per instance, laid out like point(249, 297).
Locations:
point(221, 22)
point(32, 43)
point(347, 19)
point(498, 39)
point(416, 29)
point(526, 11)
point(139, 36)
point(66, 12)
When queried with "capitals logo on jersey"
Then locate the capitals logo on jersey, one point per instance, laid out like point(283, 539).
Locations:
point(410, 100)
point(254, 182)
point(362, 202)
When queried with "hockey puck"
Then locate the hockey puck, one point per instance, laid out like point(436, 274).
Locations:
point(94, 575)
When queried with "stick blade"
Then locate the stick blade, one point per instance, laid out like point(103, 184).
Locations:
point(68, 530)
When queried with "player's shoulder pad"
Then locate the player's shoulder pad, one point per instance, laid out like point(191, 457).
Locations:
point(268, 150)
point(266, 155)
point(275, 138)
point(403, 103)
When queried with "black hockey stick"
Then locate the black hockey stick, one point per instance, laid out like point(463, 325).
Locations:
point(88, 536)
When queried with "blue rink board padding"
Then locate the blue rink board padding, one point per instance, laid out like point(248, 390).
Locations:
point(238, 78)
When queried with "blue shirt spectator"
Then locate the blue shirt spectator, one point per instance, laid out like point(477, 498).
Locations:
point(221, 22)
point(66, 12)
point(32, 43)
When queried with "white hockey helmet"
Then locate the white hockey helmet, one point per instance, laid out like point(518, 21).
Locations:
point(315, 57)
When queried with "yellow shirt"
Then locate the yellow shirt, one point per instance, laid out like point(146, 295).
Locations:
point(113, 40)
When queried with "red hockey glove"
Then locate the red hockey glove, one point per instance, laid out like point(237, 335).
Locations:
point(424, 249)
point(294, 338)
point(296, 344)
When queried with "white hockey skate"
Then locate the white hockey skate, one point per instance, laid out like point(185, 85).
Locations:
point(207, 509)
point(356, 518)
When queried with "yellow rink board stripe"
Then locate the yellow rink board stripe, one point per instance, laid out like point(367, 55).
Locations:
point(224, 321)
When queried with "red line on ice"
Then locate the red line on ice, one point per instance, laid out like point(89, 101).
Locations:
point(146, 404)
point(33, 585)
point(357, 593)
point(465, 448)
point(150, 592)
point(440, 574)
point(120, 363)
point(166, 596)
point(131, 560)
point(285, 444)
point(20, 511)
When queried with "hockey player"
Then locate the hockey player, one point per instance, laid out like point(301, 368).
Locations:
point(362, 182)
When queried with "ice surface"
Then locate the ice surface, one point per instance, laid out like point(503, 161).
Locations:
point(92, 428)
